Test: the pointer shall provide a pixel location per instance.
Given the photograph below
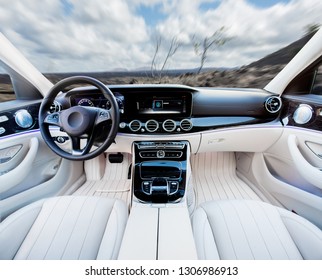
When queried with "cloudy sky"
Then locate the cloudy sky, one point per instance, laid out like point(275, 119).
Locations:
point(97, 35)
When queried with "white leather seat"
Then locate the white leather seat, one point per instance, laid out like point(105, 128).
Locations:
point(239, 229)
point(67, 227)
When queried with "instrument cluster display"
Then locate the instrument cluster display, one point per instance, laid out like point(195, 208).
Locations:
point(95, 100)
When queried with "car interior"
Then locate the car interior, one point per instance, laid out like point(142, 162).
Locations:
point(161, 172)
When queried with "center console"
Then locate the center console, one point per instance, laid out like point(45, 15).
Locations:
point(159, 217)
point(160, 171)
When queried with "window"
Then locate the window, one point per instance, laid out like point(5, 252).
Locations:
point(317, 84)
point(6, 89)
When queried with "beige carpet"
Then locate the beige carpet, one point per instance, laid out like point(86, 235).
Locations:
point(214, 177)
point(114, 184)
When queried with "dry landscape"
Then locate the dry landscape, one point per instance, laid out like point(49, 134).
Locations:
point(254, 75)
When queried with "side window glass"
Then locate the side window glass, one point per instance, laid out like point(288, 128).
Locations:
point(317, 85)
point(6, 89)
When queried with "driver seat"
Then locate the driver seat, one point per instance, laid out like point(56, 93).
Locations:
point(66, 227)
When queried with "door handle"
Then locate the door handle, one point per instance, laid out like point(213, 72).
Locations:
point(310, 173)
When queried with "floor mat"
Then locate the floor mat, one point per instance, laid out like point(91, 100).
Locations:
point(214, 177)
point(114, 184)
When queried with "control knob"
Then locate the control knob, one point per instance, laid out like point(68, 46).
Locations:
point(160, 154)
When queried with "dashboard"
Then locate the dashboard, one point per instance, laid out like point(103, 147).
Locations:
point(164, 109)
point(160, 109)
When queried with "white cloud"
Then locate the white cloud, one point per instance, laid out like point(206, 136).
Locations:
point(96, 35)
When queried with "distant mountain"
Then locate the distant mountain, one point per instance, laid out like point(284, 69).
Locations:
point(284, 55)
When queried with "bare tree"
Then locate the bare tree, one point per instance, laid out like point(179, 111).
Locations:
point(158, 42)
point(172, 49)
point(202, 47)
point(174, 46)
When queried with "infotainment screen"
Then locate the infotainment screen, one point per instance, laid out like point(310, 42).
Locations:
point(146, 103)
point(162, 104)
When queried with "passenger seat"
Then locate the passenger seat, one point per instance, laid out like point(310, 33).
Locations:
point(247, 230)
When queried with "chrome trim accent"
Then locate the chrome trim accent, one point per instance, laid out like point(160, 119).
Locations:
point(271, 102)
point(134, 122)
point(167, 122)
point(303, 114)
point(151, 129)
point(189, 122)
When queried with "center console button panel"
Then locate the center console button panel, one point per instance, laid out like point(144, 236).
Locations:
point(160, 171)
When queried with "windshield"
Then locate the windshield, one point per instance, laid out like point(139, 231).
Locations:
point(197, 43)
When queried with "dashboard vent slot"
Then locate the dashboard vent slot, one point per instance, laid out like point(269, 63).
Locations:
point(55, 107)
point(135, 125)
point(273, 104)
point(151, 125)
point(186, 124)
point(169, 125)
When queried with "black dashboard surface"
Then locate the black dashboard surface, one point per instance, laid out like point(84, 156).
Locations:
point(164, 109)
point(180, 109)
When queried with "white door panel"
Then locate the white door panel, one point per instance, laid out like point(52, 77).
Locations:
point(29, 171)
point(310, 173)
point(12, 177)
point(290, 172)
point(292, 161)
point(275, 186)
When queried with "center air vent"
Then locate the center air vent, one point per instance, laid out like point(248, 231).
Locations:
point(273, 104)
point(186, 124)
point(169, 125)
point(151, 125)
point(135, 125)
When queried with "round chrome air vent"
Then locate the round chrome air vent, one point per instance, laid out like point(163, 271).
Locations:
point(151, 125)
point(273, 104)
point(169, 125)
point(135, 125)
point(186, 124)
point(55, 107)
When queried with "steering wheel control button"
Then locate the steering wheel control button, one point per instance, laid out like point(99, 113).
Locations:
point(2, 130)
point(60, 139)
point(103, 116)
point(23, 119)
point(52, 119)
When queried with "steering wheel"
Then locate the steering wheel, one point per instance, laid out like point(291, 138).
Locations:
point(79, 122)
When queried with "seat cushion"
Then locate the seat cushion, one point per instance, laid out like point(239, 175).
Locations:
point(67, 227)
point(241, 229)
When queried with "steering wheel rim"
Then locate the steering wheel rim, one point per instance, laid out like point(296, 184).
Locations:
point(78, 120)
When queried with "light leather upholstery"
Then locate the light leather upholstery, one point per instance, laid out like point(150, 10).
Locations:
point(67, 227)
point(241, 229)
